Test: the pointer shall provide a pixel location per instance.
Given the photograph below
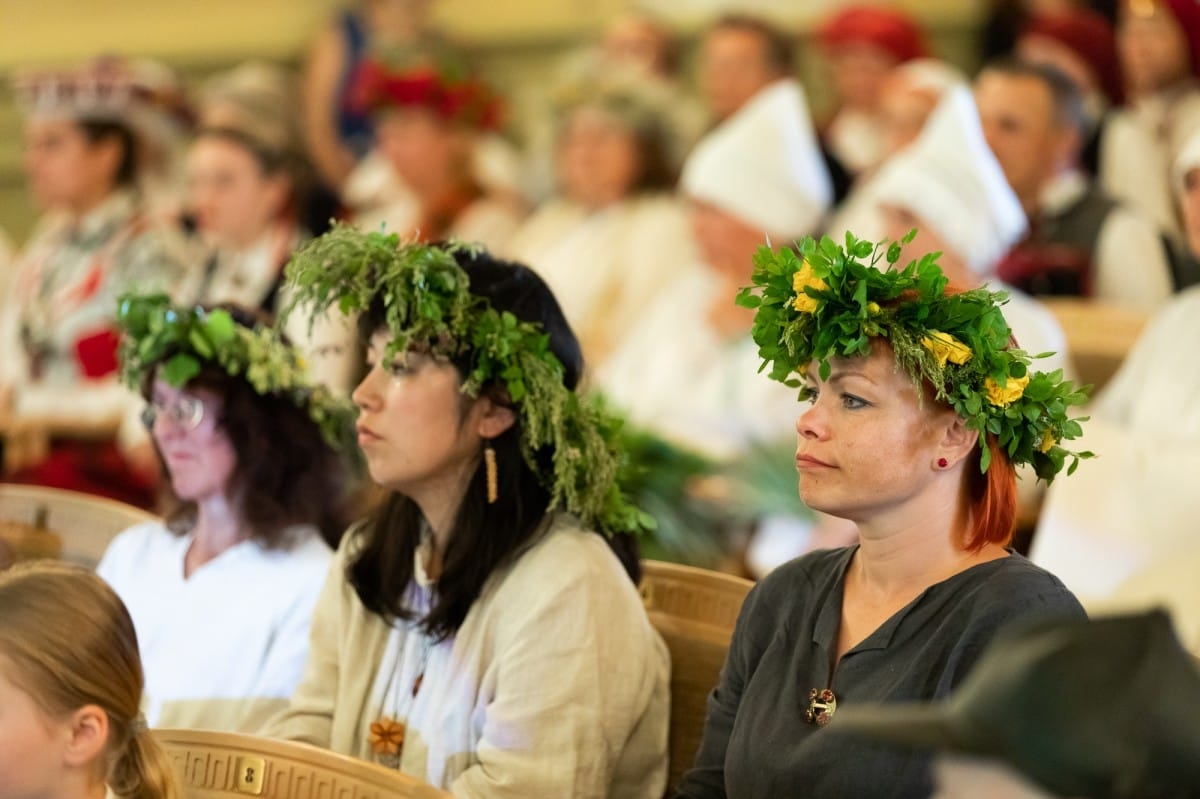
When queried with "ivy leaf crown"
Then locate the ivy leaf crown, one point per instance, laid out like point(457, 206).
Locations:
point(428, 306)
point(819, 301)
point(179, 341)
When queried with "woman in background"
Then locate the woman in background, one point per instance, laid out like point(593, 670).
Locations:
point(615, 235)
point(60, 402)
point(222, 593)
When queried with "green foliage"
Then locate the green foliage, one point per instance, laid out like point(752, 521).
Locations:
point(824, 301)
point(428, 306)
point(179, 341)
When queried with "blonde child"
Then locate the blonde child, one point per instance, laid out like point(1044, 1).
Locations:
point(70, 690)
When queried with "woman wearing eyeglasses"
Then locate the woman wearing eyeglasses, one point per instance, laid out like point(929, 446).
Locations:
point(222, 592)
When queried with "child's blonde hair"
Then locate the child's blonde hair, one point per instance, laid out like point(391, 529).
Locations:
point(67, 640)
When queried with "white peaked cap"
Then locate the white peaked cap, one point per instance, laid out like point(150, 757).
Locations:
point(949, 179)
point(1189, 159)
point(931, 75)
point(763, 165)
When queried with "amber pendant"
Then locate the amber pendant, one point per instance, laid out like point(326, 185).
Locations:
point(821, 705)
point(387, 740)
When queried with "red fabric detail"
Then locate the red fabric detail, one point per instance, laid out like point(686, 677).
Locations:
point(97, 353)
point(93, 467)
point(1187, 14)
point(1047, 270)
point(468, 100)
point(886, 28)
point(1089, 36)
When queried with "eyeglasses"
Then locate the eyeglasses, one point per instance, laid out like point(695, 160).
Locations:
point(185, 413)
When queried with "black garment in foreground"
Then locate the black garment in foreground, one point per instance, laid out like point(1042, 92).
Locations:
point(757, 744)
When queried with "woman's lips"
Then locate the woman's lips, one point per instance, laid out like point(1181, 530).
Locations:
point(809, 462)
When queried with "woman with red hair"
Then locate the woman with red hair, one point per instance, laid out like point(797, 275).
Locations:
point(919, 411)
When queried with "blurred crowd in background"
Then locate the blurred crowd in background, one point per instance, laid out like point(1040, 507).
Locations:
point(639, 183)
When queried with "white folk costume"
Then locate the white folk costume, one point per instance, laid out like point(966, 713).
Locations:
point(606, 266)
point(1135, 506)
point(59, 341)
point(60, 336)
point(254, 278)
point(763, 164)
point(950, 180)
point(691, 384)
point(1124, 256)
point(1139, 145)
point(674, 373)
point(484, 220)
point(223, 648)
point(859, 212)
point(555, 685)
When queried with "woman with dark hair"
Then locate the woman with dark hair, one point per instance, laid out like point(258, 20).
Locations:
point(919, 412)
point(616, 234)
point(222, 594)
point(60, 402)
point(477, 630)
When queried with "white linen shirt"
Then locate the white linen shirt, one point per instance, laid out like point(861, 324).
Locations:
point(225, 647)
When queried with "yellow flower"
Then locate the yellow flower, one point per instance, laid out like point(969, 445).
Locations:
point(1006, 395)
point(805, 278)
point(1047, 441)
point(872, 308)
point(945, 347)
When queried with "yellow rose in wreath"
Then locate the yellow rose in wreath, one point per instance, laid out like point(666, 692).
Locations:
point(945, 347)
point(1047, 441)
point(803, 279)
point(1007, 394)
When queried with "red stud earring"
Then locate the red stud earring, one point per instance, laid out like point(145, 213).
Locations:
point(943, 463)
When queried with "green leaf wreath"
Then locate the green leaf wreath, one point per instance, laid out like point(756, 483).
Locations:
point(821, 301)
point(181, 340)
point(428, 305)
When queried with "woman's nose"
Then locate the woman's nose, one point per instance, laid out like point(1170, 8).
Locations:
point(365, 396)
point(810, 423)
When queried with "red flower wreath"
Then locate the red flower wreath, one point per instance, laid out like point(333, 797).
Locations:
point(466, 100)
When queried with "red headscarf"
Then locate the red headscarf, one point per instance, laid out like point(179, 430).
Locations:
point(1090, 36)
point(886, 28)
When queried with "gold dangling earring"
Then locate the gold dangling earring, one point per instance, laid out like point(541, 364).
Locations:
point(489, 466)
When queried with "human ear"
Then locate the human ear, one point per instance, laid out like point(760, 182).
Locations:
point(87, 730)
point(494, 418)
point(957, 441)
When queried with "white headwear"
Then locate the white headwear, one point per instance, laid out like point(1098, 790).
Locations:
point(950, 180)
point(763, 165)
point(1189, 159)
point(930, 75)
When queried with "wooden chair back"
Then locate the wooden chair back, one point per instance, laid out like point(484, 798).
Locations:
point(83, 524)
point(694, 610)
point(224, 764)
point(1099, 334)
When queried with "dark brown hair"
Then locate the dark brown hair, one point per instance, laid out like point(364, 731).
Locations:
point(485, 535)
point(96, 131)
point(286, 472)
point(778, 50)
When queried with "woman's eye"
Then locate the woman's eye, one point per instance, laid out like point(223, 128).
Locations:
point(851, 402)
point(808, 394)
point(398, 369)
